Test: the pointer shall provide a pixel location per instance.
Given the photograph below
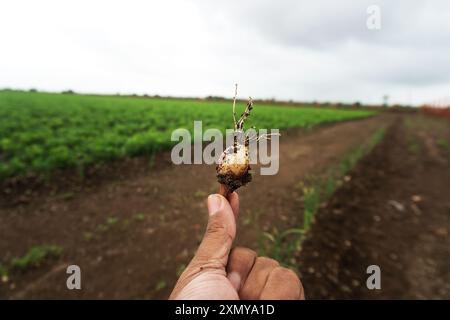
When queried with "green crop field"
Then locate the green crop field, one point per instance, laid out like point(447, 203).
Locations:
point(42, 131)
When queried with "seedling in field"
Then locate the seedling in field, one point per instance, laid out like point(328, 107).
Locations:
point(139, 217)
point(233, 168)
point(35, 257)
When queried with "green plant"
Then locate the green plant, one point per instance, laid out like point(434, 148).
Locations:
point(111, 221)
point(200, 194)
point(35, 257)
point(139, 217)
point(311, 200)
point(444, 144)
point(160, 285)
point(284, 244)
point(330, 185)
point(3, 271)
point(413, 146)
point(349, 162)
point(88, 236)
point(281, 245)
point(377, 138)
point(353, 157)
point(41, 132)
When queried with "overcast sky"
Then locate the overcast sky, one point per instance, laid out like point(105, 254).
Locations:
point(301, 50)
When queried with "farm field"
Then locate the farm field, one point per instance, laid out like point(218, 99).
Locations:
point(41, 132)
point(193, 150)
point(355, 183)
point(120, 231)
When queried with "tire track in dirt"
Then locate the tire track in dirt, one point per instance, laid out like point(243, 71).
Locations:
point(160, 218)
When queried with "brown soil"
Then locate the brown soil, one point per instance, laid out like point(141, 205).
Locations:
point(136, 258)
point(161, 217)
point(394, 213)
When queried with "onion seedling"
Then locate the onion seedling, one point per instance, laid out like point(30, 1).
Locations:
point(233, 168)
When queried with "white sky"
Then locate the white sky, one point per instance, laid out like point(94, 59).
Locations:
point(301, 50)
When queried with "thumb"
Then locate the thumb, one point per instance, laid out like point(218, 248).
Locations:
point(212, 254)
point(220, 233)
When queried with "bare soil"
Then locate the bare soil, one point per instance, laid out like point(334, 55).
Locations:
point(159, 216)
point(394, 213)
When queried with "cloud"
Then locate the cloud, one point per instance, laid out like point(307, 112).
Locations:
point(303, 50)
point(410, 51)
point(322, 24)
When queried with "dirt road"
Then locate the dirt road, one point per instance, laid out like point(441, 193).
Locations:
point(133, 232)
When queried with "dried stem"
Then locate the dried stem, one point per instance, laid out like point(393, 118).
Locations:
point(244, 116)
point(267, 136)
point(234, 119)
point(247, 135)
point(234, 106)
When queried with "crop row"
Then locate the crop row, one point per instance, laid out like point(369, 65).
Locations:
point(41, 131)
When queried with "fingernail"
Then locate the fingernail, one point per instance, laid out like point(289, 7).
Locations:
point(214, 203)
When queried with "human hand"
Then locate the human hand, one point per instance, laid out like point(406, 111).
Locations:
point(217, 272)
